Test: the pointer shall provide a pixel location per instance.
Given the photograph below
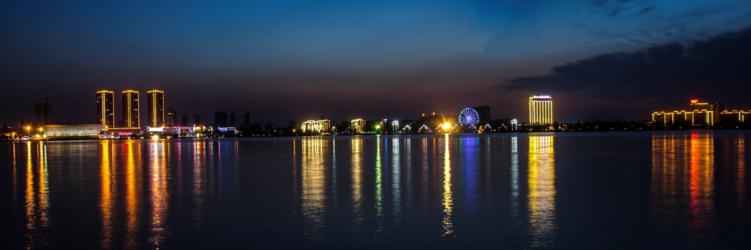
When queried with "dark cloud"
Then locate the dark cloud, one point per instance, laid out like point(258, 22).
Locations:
point(718, 69)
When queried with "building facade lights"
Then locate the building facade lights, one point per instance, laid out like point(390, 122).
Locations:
point(105, 106)
point(131, 109)
point(540, 110)
point(156, 112)
point(316, 126)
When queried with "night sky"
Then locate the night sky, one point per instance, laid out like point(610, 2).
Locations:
point(294, 60)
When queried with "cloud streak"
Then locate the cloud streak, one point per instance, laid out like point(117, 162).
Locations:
point(717, 68)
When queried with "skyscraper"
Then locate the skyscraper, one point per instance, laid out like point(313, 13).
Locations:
point(171, 118)
point(540, 110)
point(156, 108)
point(42, 112)
point(131, 111)
point(220, 119)
point(105, 108)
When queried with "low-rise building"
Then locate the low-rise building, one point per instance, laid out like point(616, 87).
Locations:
point(700, 114)
point(316, 126)
point(357, 126)
point(72, 130)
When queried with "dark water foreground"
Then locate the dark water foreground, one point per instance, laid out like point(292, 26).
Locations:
point(588, 190)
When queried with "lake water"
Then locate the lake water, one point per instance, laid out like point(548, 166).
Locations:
point(573, 190)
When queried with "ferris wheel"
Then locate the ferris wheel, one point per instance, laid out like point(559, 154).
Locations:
point(469, 118)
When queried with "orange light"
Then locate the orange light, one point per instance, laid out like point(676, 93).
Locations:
point(693, 101)
point(446, 126)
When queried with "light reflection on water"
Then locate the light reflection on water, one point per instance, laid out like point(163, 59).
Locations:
point(107, 168)
point(448, 195)
point(433, 191)
point(132, 192)
point(313, 185)
point(683, 180)
point(541, 193)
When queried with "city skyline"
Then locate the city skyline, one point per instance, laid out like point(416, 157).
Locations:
point(376, 124)
point(401, 58)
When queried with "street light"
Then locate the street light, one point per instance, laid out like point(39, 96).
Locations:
point(446, 126)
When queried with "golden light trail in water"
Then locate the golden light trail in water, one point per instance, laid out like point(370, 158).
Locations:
point(424, 172)
point(313, 186)
point(378, 181)
point(199, 147)
point(378, 189)
point(683, 180)
point(357, 179)
point(30, 205)
point(448, 196)
point(44, 189)
point(105, 177)
point(131, 196)
point(541, 185)
point(701, 178)
point(159, 195)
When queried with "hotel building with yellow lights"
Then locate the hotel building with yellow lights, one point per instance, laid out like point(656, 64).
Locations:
point(156, 108)
point(357, 126)
point(540, 110)
point(316, 126)
point(131, 109)
point(105, 106)
point(700, 114)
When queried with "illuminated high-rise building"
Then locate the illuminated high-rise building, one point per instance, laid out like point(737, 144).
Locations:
point(131, 109)
point(105, 108)
point(540, 110)
point(156, 108)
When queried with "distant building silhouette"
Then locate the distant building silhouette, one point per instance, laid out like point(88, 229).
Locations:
point(42, 112)
point(185, 120)
point(220, 119)
point(171, 117)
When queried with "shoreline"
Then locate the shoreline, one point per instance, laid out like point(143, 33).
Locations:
point(397, 134)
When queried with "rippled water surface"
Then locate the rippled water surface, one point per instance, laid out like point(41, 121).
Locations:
point(574, 190)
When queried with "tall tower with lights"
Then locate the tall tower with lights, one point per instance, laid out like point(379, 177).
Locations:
point(131, 109)
point(540, 110)
point(156, 108)
point(105, 108)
